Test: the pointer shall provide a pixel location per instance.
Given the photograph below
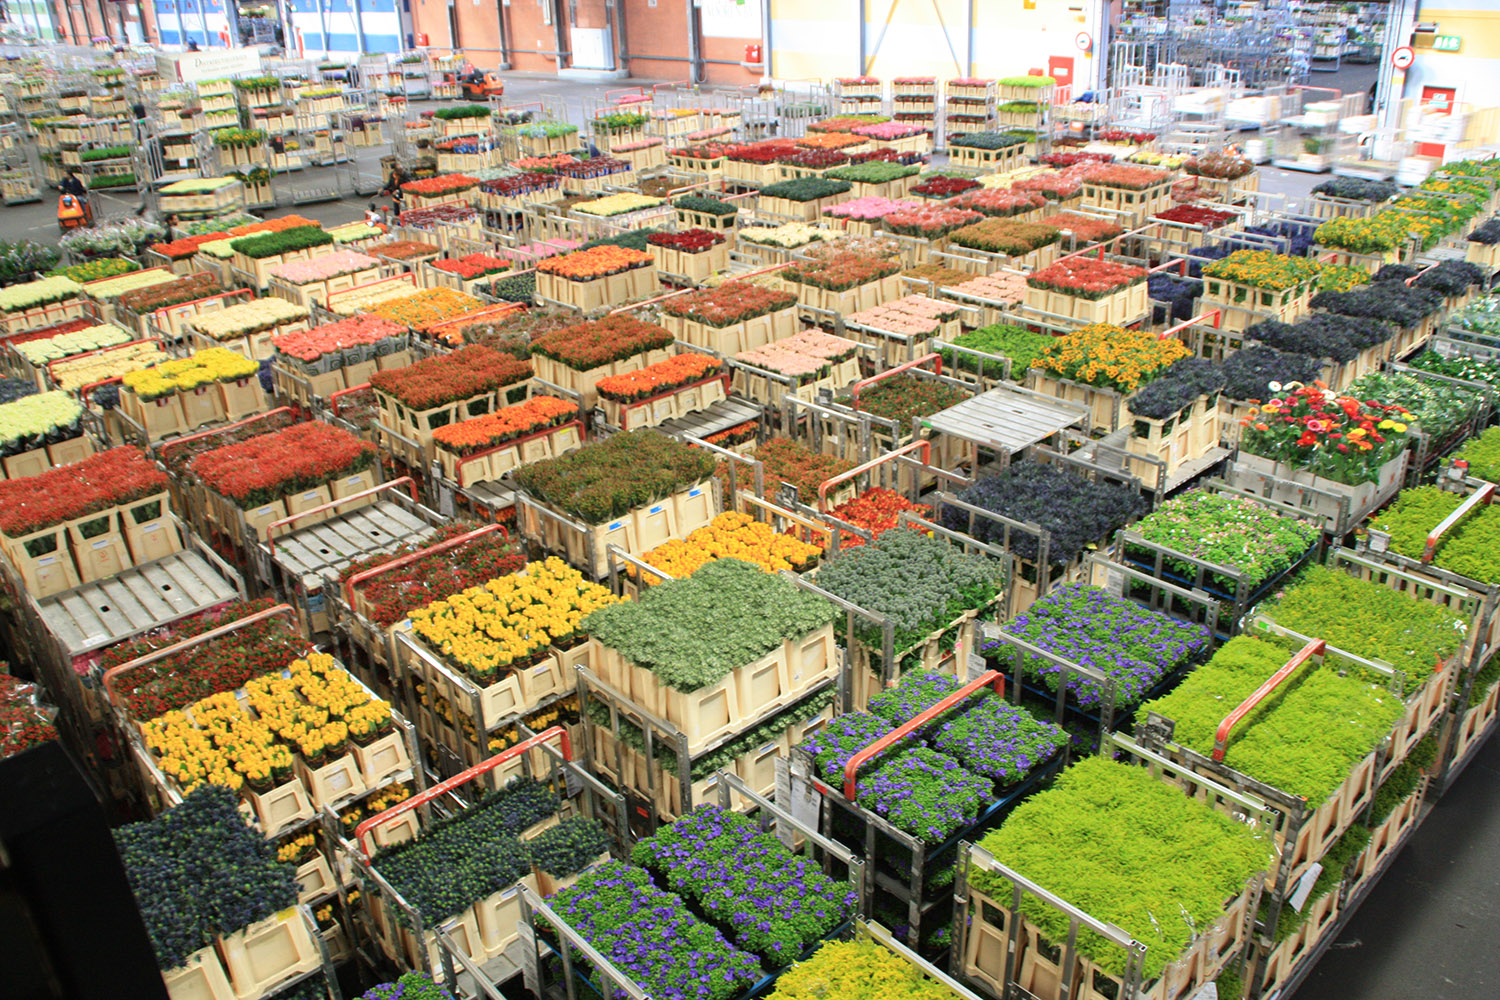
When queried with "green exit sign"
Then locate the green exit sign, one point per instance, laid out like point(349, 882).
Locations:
point(1447, 43)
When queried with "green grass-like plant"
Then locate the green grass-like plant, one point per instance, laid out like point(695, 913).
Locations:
point(1129, 849)
point(1304, 739)
point(693, 632)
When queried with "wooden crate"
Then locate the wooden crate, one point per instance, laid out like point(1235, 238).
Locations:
point(743, 336)
point(1362, 498)
point(590, 296)
point(266, 953)
point(1175, 440)
point(584, 382)
point(201, 977)
point(1122, 308)
point(695, 267)
point(1245, 305)
point(658, 410)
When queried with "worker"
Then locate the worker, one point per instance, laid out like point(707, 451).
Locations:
point(171, 229)
point(73, 184)
point(393, 190)
point(372, 215)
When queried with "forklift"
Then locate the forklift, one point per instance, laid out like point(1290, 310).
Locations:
point(478, 85)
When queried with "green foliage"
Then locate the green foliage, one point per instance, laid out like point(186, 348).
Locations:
point(919, 582)
point(805, 189)
point(461, 112)
point(1305, 738)
point(705, 204)
point(1372, 621)
point(1483, 455)
point(1129, 849)
point(872, 172)
point(1471, 549)
point(1228, 530)
point(610, 478)
point(856, 970)
point(263, 245)
point(103, 153)
point(1017, 343)
point(692, 633)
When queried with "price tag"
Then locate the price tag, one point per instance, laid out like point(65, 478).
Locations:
point(977, 667)
point(1114, 582)
point(445, 501)
point(1210, 991)
point(1304, 886)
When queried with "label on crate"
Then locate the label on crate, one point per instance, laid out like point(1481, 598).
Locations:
point(977, 667)
point(1210, 991)
point(528, 957)
point(540, 670)
point(1114, 582)
point(1304, 886)
point(101, 543)
point(46, 560)
point(445, 501)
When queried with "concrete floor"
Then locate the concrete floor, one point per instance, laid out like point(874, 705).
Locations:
point(1428, 931)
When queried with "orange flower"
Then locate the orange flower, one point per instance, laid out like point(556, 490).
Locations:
point(662, 377)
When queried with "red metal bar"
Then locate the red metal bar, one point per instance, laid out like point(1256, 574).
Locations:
point(412, 557)
point(84, 390)
point(411, 488)
point(220, 430)
point(443, 788)
point(1215, 315)
point(1480, 497)
point(516, 442)
point(1413, 279)
point(1180, 264)
point(915, 362)
point(851, 770)
point(1313, 648)
point(111, 674)
point(333, 397)
point(924, 444)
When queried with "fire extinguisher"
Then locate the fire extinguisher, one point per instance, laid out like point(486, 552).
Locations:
point(752, 55)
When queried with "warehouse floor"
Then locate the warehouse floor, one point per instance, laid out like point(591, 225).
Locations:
point(1428, 930)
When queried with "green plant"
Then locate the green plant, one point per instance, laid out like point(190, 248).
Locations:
point(1483, 455)
point(1470, 549)
point(805, 189)
point(1370, 620)
point(1126, 848)
point(1305, 739)
point(610, 478)
point(103, 153)
point(704, 204)
point(667, 630)
point(1227, 530)
point(1312, 146)
point(263, 245)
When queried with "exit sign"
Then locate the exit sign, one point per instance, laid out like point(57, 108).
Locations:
point(1447, 43)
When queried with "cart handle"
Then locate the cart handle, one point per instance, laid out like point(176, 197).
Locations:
point(443, 788)
point(990, 678)
point(412, 557)
point(1214, 315)
point(111, 674)
point(925, 444)
point(1410, 282)
point(411, 487)
point(334, 396)
point(1480, 497)
point(1180, 265)
point(85, 390)
point(915, 362)
point(166, 445)
point(1314, 647)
